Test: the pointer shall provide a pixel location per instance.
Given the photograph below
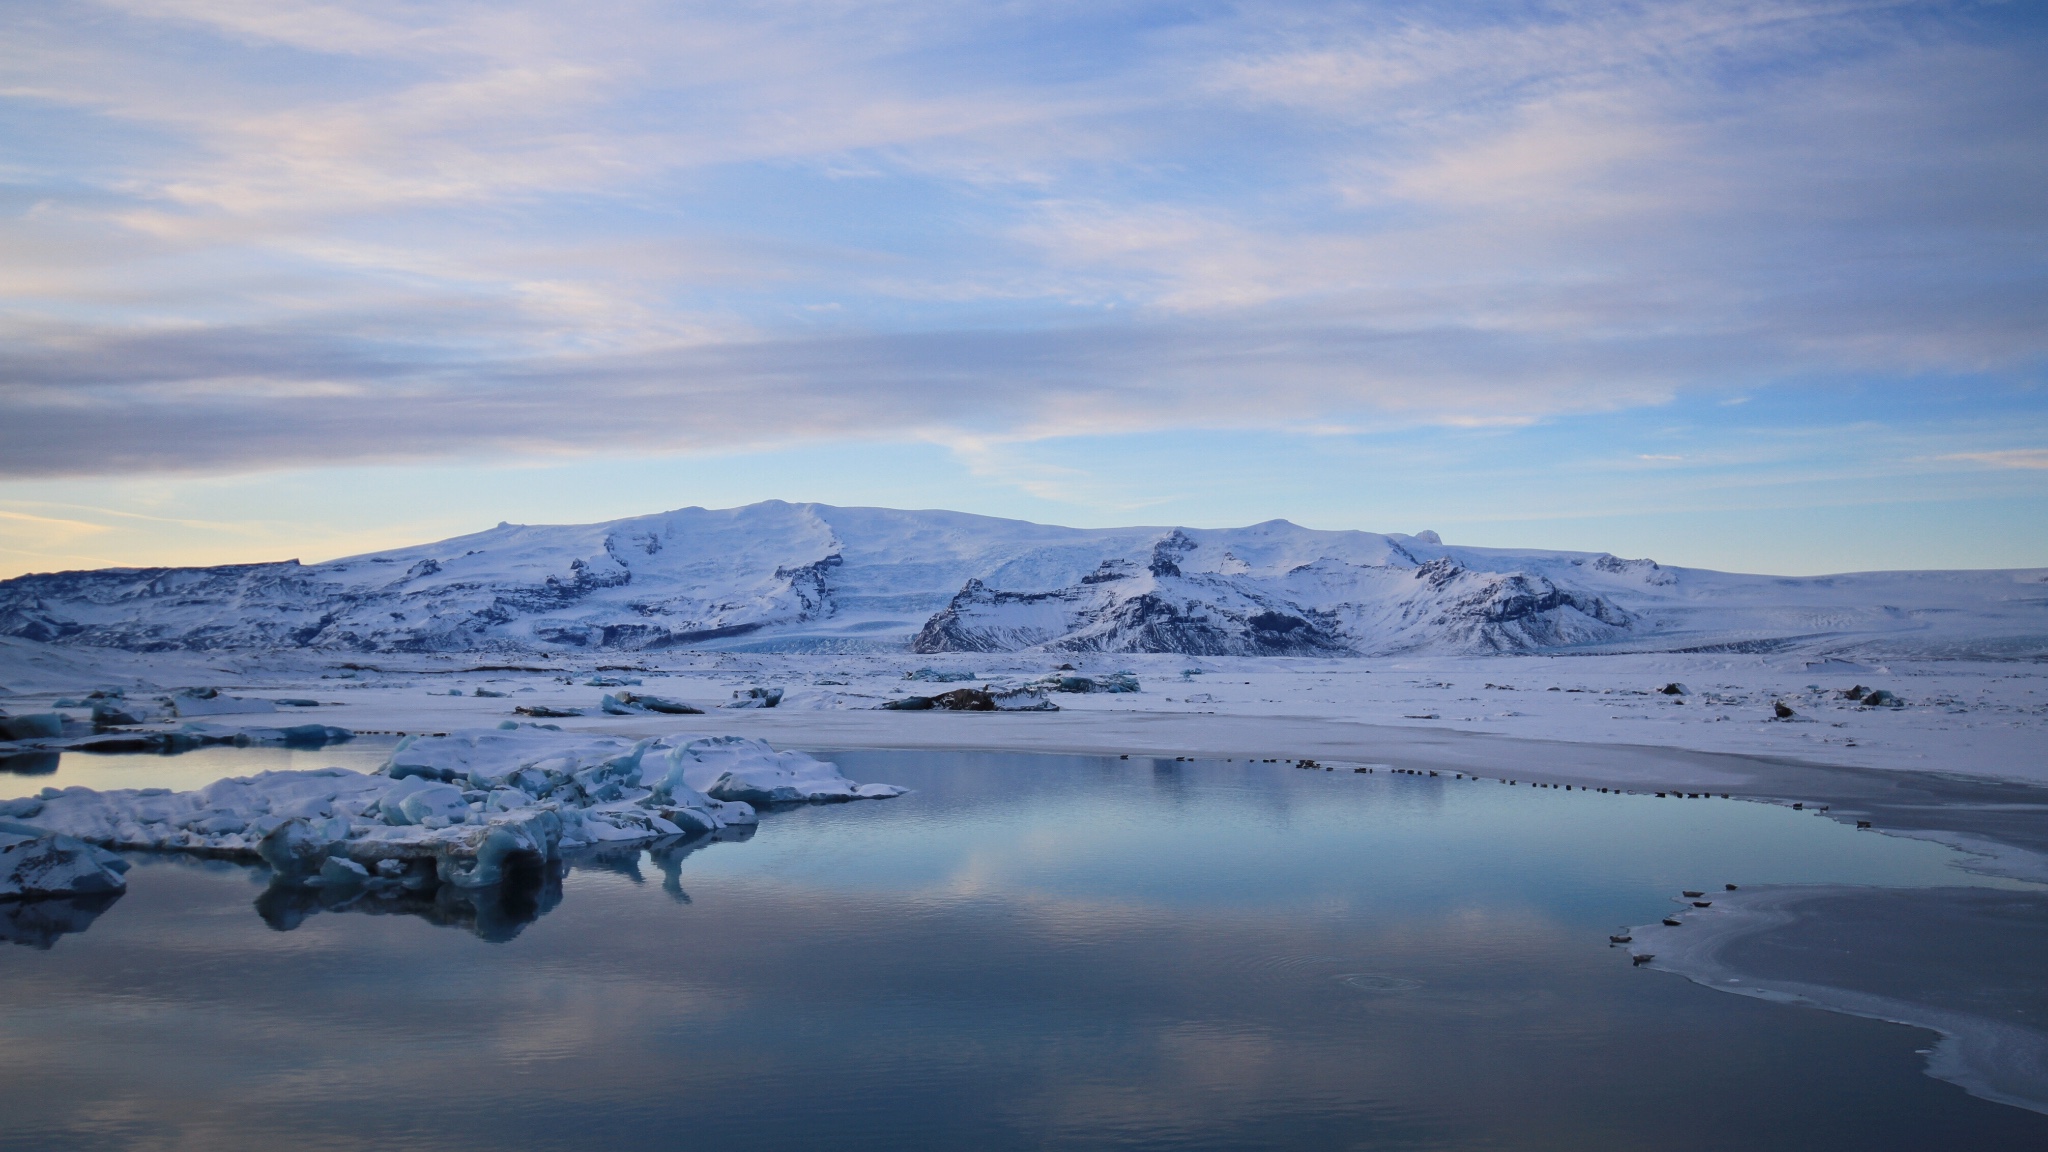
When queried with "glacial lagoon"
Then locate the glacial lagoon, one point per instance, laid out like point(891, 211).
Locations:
point(1025, 951)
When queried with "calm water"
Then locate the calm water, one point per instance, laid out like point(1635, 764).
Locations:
point(1028, 951)
point(28, 773)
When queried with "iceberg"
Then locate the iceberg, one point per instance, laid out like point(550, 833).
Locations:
point(37, 865)
point(243, 735)
point(734, 768)
point(467, 810)
point(33, 726)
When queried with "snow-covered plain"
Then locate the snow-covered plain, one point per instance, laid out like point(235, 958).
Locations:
point(1960, 717)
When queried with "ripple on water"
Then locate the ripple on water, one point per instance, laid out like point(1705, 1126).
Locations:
point(1316, 970)
point(1378, 983)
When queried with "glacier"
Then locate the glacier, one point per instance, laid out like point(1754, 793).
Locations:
point(813, 578)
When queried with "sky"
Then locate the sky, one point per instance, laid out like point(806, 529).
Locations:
point(1752, 286)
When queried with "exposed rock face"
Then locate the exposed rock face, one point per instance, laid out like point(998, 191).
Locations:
point(1516, 612)
point(1161, 609)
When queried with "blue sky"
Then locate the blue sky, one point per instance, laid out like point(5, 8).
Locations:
point(1755, 286)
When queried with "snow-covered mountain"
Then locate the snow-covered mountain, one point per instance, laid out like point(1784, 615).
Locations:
point(811, 577)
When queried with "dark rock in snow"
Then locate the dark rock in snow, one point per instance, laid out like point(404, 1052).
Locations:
point(755, 698)
point(629, 703)
point(108, 714)
point(958, 700)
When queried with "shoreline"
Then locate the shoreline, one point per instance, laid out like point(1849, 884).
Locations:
point(2001, 824)
point(1996, 823)
point(1785, 945)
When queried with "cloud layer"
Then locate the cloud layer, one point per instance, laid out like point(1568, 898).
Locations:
point(244, 234)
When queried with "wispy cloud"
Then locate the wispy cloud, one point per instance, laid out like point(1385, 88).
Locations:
point(2024, 458)
point(249, 234)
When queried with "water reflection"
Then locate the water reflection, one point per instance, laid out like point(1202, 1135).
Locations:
point(38, 923)
point(495, 913)
point(30, 763)
point(1027, 952)
point(107, 764)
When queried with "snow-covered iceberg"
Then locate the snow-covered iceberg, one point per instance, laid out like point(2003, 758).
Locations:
point(466, 809)
point(36, 865)
point(735, 769)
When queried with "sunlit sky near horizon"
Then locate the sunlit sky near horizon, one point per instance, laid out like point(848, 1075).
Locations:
point(1755, 286)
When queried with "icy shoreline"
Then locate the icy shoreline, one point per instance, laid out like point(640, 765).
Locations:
point(1969, 717)
point(1964, 760)
point(1797, 938)
point(1962, 757)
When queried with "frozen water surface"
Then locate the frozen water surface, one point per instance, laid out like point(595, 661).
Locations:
point(1025, 951)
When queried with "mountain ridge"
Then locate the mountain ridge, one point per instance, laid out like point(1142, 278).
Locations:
point(815, 577)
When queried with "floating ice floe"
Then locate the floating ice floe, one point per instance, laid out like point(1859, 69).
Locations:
point(733, 768)
point(37, 864)
point(465, 809)
point(32, 726)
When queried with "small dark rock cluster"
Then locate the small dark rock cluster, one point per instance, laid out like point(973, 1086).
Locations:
point(958, 700)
